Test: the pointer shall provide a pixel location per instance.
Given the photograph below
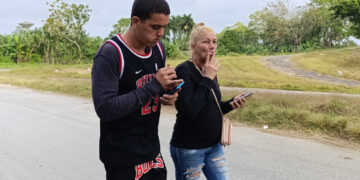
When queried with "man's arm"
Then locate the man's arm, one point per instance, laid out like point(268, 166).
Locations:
point(105, 87)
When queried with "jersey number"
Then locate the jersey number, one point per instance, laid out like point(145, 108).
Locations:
point(146, 109)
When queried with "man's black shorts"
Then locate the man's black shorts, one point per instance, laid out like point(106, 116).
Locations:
point(152, 170)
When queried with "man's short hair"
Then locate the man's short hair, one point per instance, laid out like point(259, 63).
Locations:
point(144, 8)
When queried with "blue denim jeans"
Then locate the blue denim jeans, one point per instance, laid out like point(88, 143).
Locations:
point(189, 163)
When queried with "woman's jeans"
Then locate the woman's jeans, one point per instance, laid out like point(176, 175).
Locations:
point(189, 163)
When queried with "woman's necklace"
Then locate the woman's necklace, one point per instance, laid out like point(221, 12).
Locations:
point(197, 67)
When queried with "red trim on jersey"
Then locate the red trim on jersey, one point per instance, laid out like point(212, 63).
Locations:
point(134, 49)
point(161, 49)
point(111, 42)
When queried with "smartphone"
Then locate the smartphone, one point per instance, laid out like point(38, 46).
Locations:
point(247, 94)
point(174, 90)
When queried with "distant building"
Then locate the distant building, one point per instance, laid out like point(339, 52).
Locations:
point(26, 25)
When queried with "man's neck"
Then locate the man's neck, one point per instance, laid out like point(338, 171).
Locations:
point(132, 40)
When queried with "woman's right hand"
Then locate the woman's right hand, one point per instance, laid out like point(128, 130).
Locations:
point(211, 66)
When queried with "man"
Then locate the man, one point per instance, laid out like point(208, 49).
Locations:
point(129, 79)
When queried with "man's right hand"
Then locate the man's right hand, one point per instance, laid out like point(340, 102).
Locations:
point(167, 78)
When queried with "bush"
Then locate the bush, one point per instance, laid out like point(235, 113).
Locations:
point(173, 50)
point(6, 59)
point(35, 58)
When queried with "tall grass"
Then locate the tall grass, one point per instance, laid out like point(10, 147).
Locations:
point(332, 115)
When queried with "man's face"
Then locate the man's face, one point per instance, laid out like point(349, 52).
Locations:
point(151, 30)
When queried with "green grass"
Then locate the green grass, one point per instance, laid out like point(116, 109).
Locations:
point(329, 62)
point(67, 79)
point(235, 71)
point(334, 116)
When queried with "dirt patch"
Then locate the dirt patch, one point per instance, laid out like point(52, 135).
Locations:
point(285, 65)
point(78, 71)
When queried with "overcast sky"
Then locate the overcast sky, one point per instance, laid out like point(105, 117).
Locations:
point(105, 13)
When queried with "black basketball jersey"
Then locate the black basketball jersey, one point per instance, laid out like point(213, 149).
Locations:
point(134, 139)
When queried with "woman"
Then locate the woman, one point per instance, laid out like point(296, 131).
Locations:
point(195, 144)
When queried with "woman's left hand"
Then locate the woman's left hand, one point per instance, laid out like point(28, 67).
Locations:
point(237, 102)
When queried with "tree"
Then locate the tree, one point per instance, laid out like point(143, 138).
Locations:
point(284, 29)
point(121, 27)
point(301, 23)
point(178, 30)
point(65, 26)
point(26, 43)
point(331, 30)
point(6, 50)
point(237, 39)
point(349, 9)
point(272, 26)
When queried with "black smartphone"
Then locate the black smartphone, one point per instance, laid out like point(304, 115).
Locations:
point(177, 87)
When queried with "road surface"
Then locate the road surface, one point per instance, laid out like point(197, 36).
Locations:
point(47, 136)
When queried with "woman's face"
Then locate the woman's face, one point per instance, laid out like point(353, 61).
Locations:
point(206, 43)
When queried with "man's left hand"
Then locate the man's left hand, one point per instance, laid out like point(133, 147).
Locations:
point(169, 99)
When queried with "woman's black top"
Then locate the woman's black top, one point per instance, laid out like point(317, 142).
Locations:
point(198, 121)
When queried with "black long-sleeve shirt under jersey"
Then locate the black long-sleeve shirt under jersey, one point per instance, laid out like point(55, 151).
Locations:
point(109, 105)
point(198, 121)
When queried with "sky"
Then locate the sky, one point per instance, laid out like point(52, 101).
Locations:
point(105, 13)
point(217, 14)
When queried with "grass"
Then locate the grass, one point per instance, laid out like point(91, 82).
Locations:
point(66, 79)
point(235, 71)
point(248, 71)
point(334, 116)
point(329, 62)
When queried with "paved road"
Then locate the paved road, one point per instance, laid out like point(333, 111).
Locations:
point(283, 64)
point(45, 136)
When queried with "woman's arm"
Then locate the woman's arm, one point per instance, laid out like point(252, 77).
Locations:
point(225, 106)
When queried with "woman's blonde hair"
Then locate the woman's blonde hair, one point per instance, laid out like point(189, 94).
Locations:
point(198, 30)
